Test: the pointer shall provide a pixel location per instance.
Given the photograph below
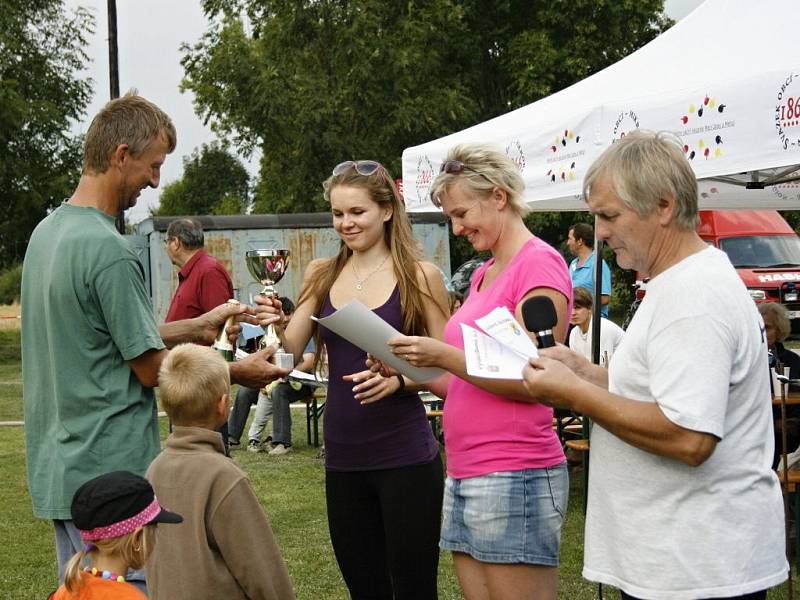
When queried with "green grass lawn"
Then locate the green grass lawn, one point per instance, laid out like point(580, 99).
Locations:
point(291, 491)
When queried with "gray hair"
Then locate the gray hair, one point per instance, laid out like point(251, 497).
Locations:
point(492, 169)
point(645, 167)
point(782, 323)
point(188, 231)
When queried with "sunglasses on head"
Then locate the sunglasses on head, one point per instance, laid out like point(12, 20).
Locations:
point(362, 167)
point(454, 167)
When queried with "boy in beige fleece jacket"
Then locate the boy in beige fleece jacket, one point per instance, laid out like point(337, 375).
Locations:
point(225, 547)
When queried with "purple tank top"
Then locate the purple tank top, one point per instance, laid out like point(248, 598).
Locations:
point(392, 432)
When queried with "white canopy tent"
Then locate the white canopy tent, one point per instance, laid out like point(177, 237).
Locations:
point(726, 79)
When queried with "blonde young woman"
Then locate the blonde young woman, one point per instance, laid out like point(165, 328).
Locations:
point(506, 490)
point(384, 475)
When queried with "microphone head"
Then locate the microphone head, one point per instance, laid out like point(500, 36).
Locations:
point(539, 314)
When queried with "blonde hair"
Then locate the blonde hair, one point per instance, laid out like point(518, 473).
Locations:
point(404, 247)
point(644, 167)
point(492, 169)
point(119, 547)
point(191, 381)
point(130, 120)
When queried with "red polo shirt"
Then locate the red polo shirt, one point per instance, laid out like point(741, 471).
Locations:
point(203, 283)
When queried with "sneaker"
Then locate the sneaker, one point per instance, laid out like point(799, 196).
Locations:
point(280, 450)
point(234, 445)
point(254, 446)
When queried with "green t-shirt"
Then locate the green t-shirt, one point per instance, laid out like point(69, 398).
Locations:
point(85, 312)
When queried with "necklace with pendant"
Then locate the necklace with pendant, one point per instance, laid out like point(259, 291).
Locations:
point(360, 282)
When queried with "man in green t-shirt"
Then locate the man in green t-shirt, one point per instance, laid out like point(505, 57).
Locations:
point(91, 349)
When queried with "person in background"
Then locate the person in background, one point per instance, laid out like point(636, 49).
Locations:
point(682, 502)
point(203, 282)
point(116, 515)
point(225, 548)
point(90, 345)
point(580, 243)
point(580, 338)
point(462, 278)
point(778, 327)
point(245, 398)
point(275, 400)
point(383, 473)
point(456, 300)
point(506, 490)
point(282, 394)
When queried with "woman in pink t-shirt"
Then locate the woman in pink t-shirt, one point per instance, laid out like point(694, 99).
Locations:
point(506, 490)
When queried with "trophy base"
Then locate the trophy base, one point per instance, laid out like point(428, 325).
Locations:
point(283, 360)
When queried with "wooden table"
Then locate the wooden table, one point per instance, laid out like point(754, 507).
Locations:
point(791, 398)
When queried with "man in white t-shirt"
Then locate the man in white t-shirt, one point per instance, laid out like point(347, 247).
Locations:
point(682, 502)
point(580, 337)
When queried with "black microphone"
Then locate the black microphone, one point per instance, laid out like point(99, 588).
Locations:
point(539, 314)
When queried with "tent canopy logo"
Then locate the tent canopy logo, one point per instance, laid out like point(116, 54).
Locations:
point(787, 113)
point(563, 155)
point(625, 122)
point(704, 121)
point(516, 154)
point(424, 178)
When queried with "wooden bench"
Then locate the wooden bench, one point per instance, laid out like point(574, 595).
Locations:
point(314, 410)
point(581, 445)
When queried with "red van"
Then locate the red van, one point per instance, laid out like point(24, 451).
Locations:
point(763, 248)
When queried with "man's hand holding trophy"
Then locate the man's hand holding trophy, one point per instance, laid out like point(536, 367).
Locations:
point(266, 267)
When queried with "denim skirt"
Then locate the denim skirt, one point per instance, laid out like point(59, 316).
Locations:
point(507, 517)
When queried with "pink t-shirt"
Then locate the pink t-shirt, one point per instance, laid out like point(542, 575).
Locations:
point(484, 432)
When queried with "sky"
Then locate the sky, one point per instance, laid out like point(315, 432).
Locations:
point(149, 36)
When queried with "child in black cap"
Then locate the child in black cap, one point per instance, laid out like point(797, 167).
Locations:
point(115, 514)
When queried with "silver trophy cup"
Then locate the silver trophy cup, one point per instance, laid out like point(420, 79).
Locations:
point(268, 267)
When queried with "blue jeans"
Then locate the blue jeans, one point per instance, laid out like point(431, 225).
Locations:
point(245, 398)
point(282, 396)
point(507, 517)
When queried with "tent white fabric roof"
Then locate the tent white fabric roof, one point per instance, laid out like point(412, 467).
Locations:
point(726, 79)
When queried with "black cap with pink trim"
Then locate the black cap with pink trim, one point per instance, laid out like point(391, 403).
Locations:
point(115, 504)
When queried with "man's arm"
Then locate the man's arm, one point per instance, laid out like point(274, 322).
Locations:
point(205, 328)
point(641, 424)
point(255, 371)
point(146, 366)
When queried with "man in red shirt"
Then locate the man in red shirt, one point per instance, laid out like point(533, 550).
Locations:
point(203, 282)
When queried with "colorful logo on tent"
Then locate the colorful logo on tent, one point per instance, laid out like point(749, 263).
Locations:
point(787, 113)
point(563, 156)
point(705, 120)
point(626, 122)
point(424, 178)
point(514, 152)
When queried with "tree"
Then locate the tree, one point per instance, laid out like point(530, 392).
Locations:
point(315, 82)
point(214, 182)
point(41, 55)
